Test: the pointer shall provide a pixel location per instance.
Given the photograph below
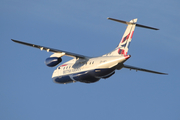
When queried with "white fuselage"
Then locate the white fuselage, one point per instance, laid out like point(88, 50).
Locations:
point(94, 68)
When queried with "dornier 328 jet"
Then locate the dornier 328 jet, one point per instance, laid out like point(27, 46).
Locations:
point(91, 69)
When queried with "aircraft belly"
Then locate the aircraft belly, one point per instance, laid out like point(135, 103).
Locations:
point(86, 77)
point(63, 79)
point(92, 75)
point(89, 76)
point(103, 72)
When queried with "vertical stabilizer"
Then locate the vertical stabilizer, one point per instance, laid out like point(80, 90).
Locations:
point(124, 44)
point(127, 37)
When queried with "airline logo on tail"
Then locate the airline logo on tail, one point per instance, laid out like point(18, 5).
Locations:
point(124, 42)
point(123, 46)
point(127, 37)
point(124, 39)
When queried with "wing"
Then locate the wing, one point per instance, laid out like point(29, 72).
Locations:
point(51, 49)
point(141, 69)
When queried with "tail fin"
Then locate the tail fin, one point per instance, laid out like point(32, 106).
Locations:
point(127, 37)
point(123, 46)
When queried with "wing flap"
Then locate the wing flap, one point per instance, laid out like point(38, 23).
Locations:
point(141, 69)
point(51, 49)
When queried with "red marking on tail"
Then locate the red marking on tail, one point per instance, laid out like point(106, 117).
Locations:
point(119, 51)
point(122, 51)
point(125, 38)
point(128, 36)
point(132, 34)
point(127, 56)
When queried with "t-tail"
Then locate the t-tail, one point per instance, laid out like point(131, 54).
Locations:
point(127, 37)
point(123, 47)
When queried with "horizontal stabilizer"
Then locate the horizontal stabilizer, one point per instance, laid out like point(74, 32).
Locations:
point(141, 69)
point(138, 25)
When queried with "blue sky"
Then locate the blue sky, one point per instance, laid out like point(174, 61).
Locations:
point(26, 88)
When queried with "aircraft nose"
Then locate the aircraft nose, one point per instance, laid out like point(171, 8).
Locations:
point(55, 74)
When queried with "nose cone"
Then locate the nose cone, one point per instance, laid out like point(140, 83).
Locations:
point(55, 73)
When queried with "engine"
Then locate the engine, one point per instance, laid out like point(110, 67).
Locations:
point(53, 61)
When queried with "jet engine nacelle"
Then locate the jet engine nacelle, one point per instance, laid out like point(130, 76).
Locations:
point(53, 61)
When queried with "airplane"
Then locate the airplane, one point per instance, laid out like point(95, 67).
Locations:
point(91, 69)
